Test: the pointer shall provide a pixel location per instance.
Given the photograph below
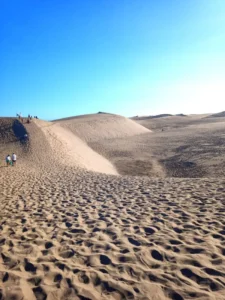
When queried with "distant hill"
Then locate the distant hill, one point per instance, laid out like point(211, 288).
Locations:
point(181, 115)
point(161, 116)
point(218, 115)
point(157, 116)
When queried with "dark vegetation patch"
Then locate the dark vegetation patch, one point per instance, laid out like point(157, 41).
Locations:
point(138, 167)
point(151, 117)
point(6, 132)
point(180, 168)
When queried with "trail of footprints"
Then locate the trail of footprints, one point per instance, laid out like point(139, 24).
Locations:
point(64, 236)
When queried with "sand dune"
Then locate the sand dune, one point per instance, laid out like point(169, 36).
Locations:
point(187, 146)
point(69, 149)
point(218, 115)
point(96, 127)
point(169, 122)
point(141, 118)
point(71, 233)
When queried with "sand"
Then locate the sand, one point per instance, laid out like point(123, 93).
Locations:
point(191, 147)
point(73, 232)
point(98, 127)
point(73, 150)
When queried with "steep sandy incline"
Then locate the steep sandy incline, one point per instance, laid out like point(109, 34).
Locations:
point(98, 127)
point(11, 134)
point(52, 144)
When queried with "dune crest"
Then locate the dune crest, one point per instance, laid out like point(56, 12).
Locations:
point(96, 127)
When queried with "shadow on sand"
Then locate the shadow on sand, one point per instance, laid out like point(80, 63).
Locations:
point(20, 132)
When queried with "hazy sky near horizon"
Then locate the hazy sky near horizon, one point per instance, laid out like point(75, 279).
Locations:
point(129, 57)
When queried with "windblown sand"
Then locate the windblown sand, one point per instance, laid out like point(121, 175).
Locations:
point(70, 231)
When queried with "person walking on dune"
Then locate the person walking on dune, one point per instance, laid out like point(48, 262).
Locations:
point(8, 160)
point(14, 159)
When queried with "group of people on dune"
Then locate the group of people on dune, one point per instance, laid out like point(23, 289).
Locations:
point(29, 118)
point(11, 161)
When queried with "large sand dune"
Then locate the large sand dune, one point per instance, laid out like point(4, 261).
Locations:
point(70, 231)
point(96, 127)
point(178, 146)
point(71, 150)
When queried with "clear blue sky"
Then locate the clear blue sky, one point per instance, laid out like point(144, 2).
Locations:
point(130, 57)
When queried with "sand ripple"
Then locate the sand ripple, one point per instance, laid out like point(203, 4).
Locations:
point(82, 235)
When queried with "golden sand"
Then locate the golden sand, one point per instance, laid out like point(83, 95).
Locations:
point(73, 228)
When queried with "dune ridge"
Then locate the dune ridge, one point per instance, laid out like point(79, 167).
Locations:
point(96, 127)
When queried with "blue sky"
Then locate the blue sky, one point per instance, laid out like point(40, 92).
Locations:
point(129, 57)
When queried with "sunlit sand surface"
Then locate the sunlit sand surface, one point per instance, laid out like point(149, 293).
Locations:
point(78, 223)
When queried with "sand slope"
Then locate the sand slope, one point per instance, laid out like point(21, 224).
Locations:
point(48, 143)
point(10, 133)
point(71, 150)
point(170, 122)
point(218, 115)
point(96, 127)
